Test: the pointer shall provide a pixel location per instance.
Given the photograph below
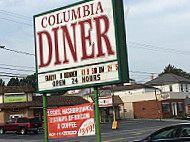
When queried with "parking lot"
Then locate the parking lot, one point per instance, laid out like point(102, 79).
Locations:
point(129, 130)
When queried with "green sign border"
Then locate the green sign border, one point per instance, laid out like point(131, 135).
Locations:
point(121, 46)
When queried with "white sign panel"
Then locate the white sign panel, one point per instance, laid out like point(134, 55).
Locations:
point(105, 101)
point(76, 46)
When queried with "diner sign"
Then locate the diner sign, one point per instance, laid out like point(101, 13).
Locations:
point(81, 45)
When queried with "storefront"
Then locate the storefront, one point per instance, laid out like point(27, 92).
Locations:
point(20, 101)
point(107, 107)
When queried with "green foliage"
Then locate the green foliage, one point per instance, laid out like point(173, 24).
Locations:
point(13, 82)
point(174, 70)
point(2, 83)
point(29, 80)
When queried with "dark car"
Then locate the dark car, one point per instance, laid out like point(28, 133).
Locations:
point(174, 133)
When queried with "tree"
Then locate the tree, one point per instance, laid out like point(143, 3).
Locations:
point(172, 69)
point(29, 80)
point(13, 82)
point(2, 83)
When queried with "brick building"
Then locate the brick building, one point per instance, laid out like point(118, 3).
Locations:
point(162, 97)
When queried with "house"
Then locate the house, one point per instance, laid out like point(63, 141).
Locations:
point(174, 90)
point(20, 101)
point(162, 97)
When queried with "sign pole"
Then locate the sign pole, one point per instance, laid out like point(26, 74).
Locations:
point(97, 115)
point(45, 117)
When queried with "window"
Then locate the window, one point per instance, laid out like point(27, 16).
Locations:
point(23, 120)
point(180, 106)
point(171, 89)
point(13, 120)
point(165, 134)
point(143, 107)
point(166, 107)
point(186, 86)
point(182, 90)
point(15, 109)
point(185, 131)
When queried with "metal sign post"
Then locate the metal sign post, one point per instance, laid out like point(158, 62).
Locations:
point(45, 117)
point(97, 115)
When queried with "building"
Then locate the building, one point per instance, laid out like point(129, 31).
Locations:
point(162, 97)
point(108, 103)
point(174, 90)
point(131, 95)
point(20, 101)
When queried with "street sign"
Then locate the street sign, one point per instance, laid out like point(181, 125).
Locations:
point(71, 121)
point(81, 45)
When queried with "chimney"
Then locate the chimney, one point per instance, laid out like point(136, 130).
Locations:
point(152, 77)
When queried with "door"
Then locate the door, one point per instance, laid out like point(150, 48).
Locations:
point(174, 108)
point(10, 125)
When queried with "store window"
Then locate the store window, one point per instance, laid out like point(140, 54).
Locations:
point(166, 107)
point(180, 106)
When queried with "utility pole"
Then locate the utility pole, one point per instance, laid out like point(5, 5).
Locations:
point(157, 102)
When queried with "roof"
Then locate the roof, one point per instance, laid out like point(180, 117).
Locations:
point(73, 94)
point(128, 87)
point(17, 89)
point(51, 101)
point(168, 78)
point(117, 100)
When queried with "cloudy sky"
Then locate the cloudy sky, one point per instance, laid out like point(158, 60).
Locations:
point(158, 33)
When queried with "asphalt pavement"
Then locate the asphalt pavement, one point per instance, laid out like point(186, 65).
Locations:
point(129, 130)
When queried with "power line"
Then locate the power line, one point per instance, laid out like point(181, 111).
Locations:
point(17, 66)
point(15, 21)
point(17, 69)
point(17, 51)
point(142, 80)
point(11, 13)
point(8, 73)
point(142, 72)
point(15, 15)
point(156, 48)
point(11, 76)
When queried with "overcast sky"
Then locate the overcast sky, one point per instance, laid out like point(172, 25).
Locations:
point(158, 33)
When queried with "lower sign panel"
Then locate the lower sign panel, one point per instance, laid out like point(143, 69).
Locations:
point(71, 121)
point(69, 78)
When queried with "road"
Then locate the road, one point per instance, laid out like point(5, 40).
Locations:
point(129, 130)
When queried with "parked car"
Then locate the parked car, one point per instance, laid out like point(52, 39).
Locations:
point(174, 133)
point(22, 125)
